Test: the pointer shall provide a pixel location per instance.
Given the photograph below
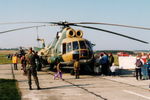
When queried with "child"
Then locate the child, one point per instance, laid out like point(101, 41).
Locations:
point(59, 73)
point(15, 61)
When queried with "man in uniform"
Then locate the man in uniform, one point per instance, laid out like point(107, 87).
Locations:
point(31, 68)
point(77, 68)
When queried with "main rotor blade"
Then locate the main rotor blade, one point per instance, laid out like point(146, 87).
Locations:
point(137, 27)
point(89, 27)
point(28, 23)
point(64, 23)
point(49, 23)
point(21, 28)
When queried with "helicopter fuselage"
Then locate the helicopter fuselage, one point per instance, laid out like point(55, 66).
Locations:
point(69, 46)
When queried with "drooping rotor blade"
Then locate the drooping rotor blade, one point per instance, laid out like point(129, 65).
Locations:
point(137, 27)
point(29, 23)
point(89, 27)
point(21, 28)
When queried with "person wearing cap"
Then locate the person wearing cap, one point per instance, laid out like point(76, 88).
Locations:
point(31, 68)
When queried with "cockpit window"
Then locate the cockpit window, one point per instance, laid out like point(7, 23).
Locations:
point(64, 48)
point(82, 45)
point(88, 44)
point(69, 47)
point(75, 45)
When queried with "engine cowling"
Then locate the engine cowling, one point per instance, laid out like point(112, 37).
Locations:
point(70, 33)
point(79, 33)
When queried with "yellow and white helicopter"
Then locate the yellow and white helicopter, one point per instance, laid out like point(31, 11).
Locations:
point(69, 43)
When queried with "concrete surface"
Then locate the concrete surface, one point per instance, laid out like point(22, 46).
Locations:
point(87, 87)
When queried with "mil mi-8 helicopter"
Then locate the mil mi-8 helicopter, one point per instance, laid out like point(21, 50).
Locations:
point(69, 43)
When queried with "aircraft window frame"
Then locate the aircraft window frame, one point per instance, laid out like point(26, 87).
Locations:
point(75, 45)
point(89, 45)
point(81, 47)
point(64, 48)
point(68, 47)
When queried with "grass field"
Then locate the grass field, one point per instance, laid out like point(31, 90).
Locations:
point(6, 52)
point(9, 90)
point(3, 56)
point(5, 60)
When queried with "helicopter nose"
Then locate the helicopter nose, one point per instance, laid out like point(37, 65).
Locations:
point(83, 53)
point(76, 54)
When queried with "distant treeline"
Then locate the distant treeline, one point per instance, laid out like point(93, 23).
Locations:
point(114, 51)
point(8, 48)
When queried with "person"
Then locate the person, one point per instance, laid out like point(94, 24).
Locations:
point(143, 57)
point(38, 62)
point(145, 70)
point(97, 66)
point(104, 62)
point(9, 56)
point(31, 68)
point(59, 72)
point(139, 63)
point(21, 52)
point(76, 68)
point(23, 64)
point(148, 63)
point(111, 61)
point(113, 70)
point(15, 61)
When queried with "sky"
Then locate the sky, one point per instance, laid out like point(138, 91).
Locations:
point(127, 12)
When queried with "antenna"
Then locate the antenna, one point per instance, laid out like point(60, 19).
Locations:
point(37, 36)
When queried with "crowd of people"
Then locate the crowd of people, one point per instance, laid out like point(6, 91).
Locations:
point(104, 64)
point(142, 69)
point(30, 63)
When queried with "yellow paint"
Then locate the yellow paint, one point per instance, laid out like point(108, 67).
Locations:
point(68, 35)
point(67, 57)
point(68, 40)
point(81, 34)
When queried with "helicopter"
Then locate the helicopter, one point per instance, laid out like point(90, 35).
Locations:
point(69, 44)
